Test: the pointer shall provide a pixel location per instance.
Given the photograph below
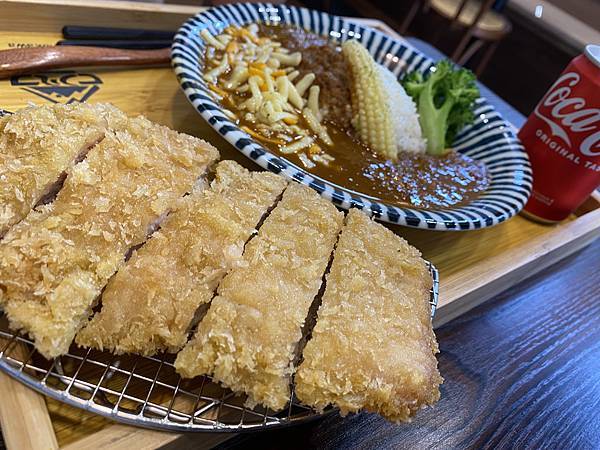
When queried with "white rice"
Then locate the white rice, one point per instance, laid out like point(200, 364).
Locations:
point(404, 114)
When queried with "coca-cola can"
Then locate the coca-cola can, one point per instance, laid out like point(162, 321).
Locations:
point(562, 138)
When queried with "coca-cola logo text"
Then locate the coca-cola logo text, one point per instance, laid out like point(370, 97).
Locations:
point(564, 112)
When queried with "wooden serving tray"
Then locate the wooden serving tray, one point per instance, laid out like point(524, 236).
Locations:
point(474, 265)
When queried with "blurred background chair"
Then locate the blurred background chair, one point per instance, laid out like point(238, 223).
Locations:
point(467, 30)
point(479, 25)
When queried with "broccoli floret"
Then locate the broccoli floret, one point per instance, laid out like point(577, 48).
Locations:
point(444, 99)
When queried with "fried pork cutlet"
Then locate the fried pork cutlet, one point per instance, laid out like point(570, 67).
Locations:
point(247, 339)
point(149, 304)
point(373, 346)
point(55, 262)
point(38, 144)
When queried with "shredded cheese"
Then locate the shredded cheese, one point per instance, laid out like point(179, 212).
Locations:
point(257, 74)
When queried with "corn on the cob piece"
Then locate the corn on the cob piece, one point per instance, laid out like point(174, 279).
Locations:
point(384, 115)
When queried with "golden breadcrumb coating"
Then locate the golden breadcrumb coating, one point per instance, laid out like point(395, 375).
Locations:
point(373, 346)
point(38, 144)
point(247, 339)
point(149, 304)
point(54, 263)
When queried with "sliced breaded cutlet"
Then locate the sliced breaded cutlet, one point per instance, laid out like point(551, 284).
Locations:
point(248, 338)
point(373, 346)
point(54, 263)
point(38, 144)
point(149, 304)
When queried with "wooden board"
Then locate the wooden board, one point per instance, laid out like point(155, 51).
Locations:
point(474, 266)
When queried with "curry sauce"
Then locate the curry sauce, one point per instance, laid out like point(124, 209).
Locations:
point(415, 180)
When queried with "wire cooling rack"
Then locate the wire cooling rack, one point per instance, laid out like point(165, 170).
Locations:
point(144, 391)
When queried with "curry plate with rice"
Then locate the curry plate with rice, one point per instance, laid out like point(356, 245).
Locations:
point(323, 111)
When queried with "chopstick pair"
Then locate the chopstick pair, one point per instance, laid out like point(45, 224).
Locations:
point(91, 46)
point(124, 38)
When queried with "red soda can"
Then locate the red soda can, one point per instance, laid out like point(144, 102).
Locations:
point(562, 138)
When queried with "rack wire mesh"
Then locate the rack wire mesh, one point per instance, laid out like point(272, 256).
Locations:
point(144, 391)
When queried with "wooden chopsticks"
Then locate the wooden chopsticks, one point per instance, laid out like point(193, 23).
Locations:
point(18, 61)
point(91, 46)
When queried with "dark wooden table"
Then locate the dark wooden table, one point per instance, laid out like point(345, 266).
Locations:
point(521, 371)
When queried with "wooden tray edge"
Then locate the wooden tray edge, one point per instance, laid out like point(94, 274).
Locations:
point(543, 251)
point(23, 411)
point(51, 16)
point(125, 5)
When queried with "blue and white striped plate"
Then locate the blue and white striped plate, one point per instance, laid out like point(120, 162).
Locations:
point(490, 139)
